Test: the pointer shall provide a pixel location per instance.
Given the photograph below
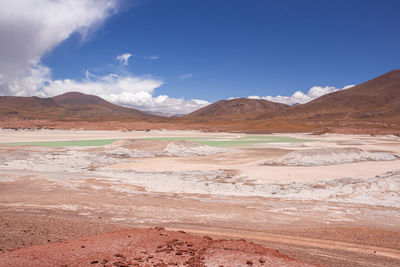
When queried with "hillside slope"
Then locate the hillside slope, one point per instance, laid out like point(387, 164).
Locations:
point(377, 98)
point(237, 106)
point(68, 106)
point(370, 107)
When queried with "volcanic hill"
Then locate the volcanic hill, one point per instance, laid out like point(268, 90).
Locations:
point(238, 106)
point(68, 106)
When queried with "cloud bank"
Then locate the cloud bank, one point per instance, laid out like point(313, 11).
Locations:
point(130, 91)
point(299, 97)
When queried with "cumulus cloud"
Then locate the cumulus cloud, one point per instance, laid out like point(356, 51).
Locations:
point(299, 97)
point(31, 28)
point(102, 85)
point(130, 91)
point(124, 59)
point(162, 103)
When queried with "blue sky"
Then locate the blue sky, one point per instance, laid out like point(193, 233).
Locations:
point(213, 49)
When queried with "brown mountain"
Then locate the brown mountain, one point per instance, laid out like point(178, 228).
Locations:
point(378, 98)
point(26, 107)
point(373, 107)
point(68, 106)
point(370, 107)
point(83, 106)
point(237, 106)
point(74, 99)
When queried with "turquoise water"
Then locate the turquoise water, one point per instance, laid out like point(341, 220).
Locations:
point(210, 141)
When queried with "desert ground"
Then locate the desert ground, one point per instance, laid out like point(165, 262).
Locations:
point(329, 200)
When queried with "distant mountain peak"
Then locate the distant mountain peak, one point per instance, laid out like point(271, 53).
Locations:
point(77, 98)
point(237, 106)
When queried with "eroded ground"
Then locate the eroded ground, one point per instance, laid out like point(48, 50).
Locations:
point(329, 199)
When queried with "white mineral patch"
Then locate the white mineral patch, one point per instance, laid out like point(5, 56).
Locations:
point(329, 156)
point(383, 190)
point(127, 153)
point(88, 158)
point(187, 149)
point(70, 160)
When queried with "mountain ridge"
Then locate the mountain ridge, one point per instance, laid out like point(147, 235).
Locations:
point(374, 104)
point(67, 106)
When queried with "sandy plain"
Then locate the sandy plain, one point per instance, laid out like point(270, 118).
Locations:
point(333, 200)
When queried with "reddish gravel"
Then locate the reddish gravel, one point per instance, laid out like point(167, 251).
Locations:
point(147, 247)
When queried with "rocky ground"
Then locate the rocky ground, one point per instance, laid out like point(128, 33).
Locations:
point(143, 247)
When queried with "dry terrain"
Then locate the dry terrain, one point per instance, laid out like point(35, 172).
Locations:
point(330, 200)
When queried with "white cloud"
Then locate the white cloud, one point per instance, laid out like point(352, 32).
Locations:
point(124, 59)
point(162, 103)
point(299, 97)
point(30, 28)
point(186, 76)
point(31, 84)
point(348, 86)
point(111, 84)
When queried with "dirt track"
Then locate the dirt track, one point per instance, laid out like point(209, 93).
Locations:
point(358, 250)
point(319, 250)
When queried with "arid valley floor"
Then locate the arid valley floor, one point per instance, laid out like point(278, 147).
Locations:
point(322, 199)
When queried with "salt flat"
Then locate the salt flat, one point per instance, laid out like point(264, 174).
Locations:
point(276, 169)
point(155, 179)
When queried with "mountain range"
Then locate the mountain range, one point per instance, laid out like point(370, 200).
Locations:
point(372, 104)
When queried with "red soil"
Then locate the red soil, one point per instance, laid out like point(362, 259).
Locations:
point(147, 247)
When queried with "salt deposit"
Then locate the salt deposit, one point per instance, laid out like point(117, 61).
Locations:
point(58, 160)
point(382, 190)
point(234, 174)
point(80, 158)
point(121, 152)
point(329, 156)
point(187, 149)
